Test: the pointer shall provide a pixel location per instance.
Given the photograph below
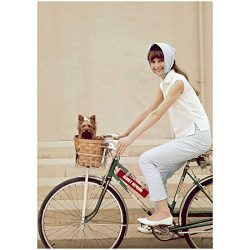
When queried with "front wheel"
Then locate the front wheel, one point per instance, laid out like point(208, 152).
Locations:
point(197, 207)
point(59, 219)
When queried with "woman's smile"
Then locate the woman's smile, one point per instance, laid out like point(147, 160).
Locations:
point(157, 66)
point(159, 70)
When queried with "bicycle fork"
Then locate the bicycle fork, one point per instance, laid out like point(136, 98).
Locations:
point(105, 183)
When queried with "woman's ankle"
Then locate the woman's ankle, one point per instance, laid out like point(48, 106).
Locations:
point(162, 207)
point(159, 216)
point(166, 214)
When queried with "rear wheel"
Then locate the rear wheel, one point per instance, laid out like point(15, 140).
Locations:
point(59, 219)
point(199, 207)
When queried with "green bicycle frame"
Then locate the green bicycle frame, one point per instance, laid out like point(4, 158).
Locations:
point(111, 173)
point(105, 185)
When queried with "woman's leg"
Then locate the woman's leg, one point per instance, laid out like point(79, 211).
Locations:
point(160, 163)
point(162, 211)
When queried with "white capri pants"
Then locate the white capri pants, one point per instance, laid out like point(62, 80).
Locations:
point(159, 163)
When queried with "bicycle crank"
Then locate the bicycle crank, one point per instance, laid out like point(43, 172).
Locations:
point(162, 232)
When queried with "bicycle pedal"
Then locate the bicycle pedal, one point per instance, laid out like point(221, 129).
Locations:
point(162, 228)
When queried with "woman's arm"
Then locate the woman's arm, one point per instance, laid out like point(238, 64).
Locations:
point(156, 102)
point(153, 117)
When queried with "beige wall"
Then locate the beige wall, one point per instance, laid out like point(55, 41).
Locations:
point(92, 60)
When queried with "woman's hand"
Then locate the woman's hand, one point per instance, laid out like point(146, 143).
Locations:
point(123, 143)
point(122, 135)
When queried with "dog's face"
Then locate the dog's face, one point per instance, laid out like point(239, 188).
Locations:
point(86, 127)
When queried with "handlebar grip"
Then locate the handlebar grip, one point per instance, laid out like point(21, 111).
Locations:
point(112, 136)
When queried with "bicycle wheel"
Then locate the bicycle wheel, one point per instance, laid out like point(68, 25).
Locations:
point(198, 206)
point(59, 219)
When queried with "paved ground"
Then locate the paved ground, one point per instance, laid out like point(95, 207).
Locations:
point(147, 243)
point(153, 243)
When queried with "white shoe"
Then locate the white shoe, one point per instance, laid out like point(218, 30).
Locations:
point(145, 229)
point(168, 221)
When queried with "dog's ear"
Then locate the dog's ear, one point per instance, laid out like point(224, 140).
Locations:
point(80, 118)
point(92, 119)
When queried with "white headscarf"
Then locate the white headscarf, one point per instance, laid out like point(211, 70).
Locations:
point(169, 55)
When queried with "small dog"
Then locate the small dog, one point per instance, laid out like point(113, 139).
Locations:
point(86, 127)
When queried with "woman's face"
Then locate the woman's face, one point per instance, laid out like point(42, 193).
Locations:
point(157, 66)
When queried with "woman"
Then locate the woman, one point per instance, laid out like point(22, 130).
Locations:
point(189, 123)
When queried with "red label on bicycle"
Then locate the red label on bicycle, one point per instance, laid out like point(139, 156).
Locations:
point(133, 183)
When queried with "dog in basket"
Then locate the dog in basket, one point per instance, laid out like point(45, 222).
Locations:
point(87, 127)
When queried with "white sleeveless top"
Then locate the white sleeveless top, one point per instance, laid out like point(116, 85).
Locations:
point(187, 111)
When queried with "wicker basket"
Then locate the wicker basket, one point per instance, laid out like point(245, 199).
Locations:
point(89, 153)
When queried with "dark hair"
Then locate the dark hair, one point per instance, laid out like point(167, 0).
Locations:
point(156, 52)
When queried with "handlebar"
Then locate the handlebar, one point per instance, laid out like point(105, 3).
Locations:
point(110, 136)
point(110, 141)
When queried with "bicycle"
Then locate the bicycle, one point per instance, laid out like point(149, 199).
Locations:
point(89, 212)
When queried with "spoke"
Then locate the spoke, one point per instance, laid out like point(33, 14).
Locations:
point(57, 202)
point(82, 233)
point(76, 238)
point(85, 237)
point(58, 231)
point(55, 215)
point(62, 218)
point(107, 226)
point(79, 211)
point(108, 203)
point(103, 238)
point(198, 205)
point(88, 240)
point(100, 235)
point(90, 203)
point(59, 214)
point(94, 237)
point(73, 200)
point(74, 208)
point(103, 219)
point(65, 238)
point(98, 231)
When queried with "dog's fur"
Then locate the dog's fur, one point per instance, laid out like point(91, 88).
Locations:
point(87, 127)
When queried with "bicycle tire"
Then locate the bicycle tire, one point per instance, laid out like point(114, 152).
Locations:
point(191, 202)
point(70, 213)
